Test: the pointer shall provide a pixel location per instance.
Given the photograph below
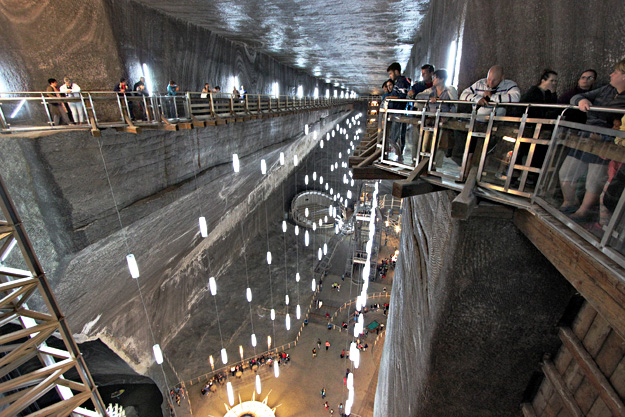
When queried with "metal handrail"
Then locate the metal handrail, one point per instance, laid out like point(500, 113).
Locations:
point(515, 126)
point(118, 109)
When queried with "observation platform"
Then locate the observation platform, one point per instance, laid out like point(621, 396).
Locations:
point(505, 164)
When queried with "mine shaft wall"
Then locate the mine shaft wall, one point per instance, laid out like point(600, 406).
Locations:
point(525, 37)
point(473, 308)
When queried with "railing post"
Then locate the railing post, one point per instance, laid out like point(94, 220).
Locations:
point(119, 104)
point(231, 104)
point(45, 106)
point(187, 105)
point(212, 104)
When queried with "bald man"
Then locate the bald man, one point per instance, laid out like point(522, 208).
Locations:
point(492, 89)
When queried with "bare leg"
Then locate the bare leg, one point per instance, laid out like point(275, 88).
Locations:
point(590, 200)
point(568, 191)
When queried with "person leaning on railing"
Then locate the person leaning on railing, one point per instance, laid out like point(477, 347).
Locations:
point(492, 89)
point(595, 167)
point(71, 89)
point(58, 112)
point(584, 84)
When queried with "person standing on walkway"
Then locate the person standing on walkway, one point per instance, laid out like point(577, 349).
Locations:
point(327, 344)
point(341, 408)
point(323, 392)
point(314, 353)
point(318, 343)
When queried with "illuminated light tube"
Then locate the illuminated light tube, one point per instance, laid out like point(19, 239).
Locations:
point(320, 179)
point(306, 179)
point(321, 143)
point(212, 285)
point(325, 248)
point(352, 350)
point(241, 351)
point(340, 155)
point(336, 229)
point(330, 209)
point(331, 168)
point(357, 359)
point(314, 226)
point(268, 258)
point(356, 333)
point(263, 166)
point(349, 192)
point(203, 227)
point(286, 299)
point(253, 340)
point(298, 312)
point(306, 237)
point(314, 176)
point(295, 160)
point(320, 222)
point(336, 165)
point(313, 285)
point(158, 354)
point(235, 162)
point(350, 381)
point(276, 369)
point(281, 158)
point(283, 226)
point(132, 265)
point(273, 314)
point(306, 129)
point(248, 293)
point(350, 396)
point(296, 230)
point(325, 219)
point(17, 109)
point(230, 393)
point(331, 191)
point(288, 321)
point(348, 408)
point(369, 244)
point(327, 136)
point(269, 342)
point(306, 212)
point(352, 183)
point(297, 277)
point(224, 356)
point(211, 361)
point(319, 253)
point(258, 390)
point(326, 186)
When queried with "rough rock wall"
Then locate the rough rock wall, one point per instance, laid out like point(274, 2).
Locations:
point(474, 306)
point(191, 55)
point(53, 39)
point(525, 37)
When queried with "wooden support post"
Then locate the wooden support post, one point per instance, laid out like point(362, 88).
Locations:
point(555, 378)
point(197, 122)
point(528, 410)
point(592, 372)
point(168, 126)
point(466, 201)
point(185, 125)
point(95, 132)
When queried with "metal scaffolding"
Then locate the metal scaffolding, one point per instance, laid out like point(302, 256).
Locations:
point(29, 367)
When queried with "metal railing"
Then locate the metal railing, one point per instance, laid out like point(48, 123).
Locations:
point(525, 154)
point(44, 110)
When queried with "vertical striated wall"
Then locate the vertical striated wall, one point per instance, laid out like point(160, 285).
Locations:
point(525, 37)
point(473, 308)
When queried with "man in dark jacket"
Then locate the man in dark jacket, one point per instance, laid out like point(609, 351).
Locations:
point(400, 89)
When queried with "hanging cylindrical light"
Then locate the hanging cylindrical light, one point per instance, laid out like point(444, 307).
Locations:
point(230, 393)
point(248, 294)
point(286, 299)
point(253, 340)
point(320, 254)
point(328, 136)
point(325, 219)
point(306, 179)
point(268, 342)
point(263, 167)
point(305, 129)
point(313, 285)
point(314, 175)
point(241, 351)
point(320, 222)
point(283, 226)
point(357, 358)
point(158, 354)
point(258, 384)
point(212, 285)
point(268, 258)
point(298, 312)
point(276, 369)
point(325, 248)
point(320, 179)
point(235, 162)
point(288, 321)
point(350, 380)
point(203, 227)
point(296, 230)
point(273, 314)
point(349, 193)
point(295, 160)
point(314, 226)
point(306, 238)
point(297, 277)
point(224, 356)
point(212, 362)
point(281, 158)
point(321, 143)
point(132, 265)
point(327, 186)
point(306, 212)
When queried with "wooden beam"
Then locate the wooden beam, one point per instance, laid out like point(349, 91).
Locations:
point(353, 161)
point(370, 150)
point(166, 125)
point(197, 122)
point(371, 158)
point(463, 205)
point(413, 188)
point(528, 410)
point(592, 372)
point(410, 186)
point(374, 173)
point(594, 275)
point(185, 125)
point(558, 385)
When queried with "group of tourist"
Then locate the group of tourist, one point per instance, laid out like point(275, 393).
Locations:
point(604, 178)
